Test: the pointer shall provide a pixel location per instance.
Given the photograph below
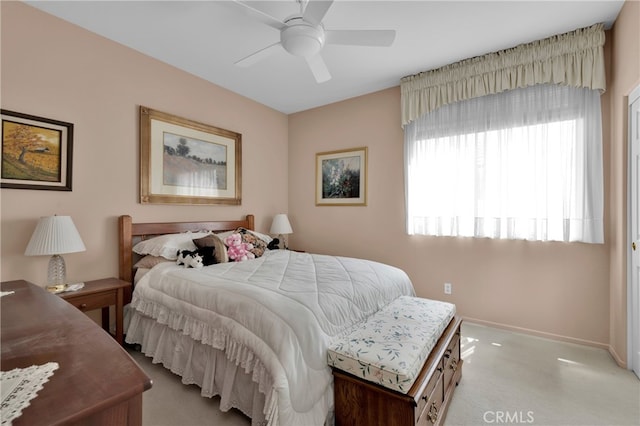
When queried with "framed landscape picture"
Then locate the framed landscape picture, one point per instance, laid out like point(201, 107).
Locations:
point(37, 152)
point(341, 178)
point(186, 162)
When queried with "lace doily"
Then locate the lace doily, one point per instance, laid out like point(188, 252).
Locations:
point(6, 293)
point(19, 386)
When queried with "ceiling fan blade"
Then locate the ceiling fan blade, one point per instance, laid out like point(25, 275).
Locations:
point(315, 11)
point(318, 68)
point(259, 55)
point(261, 16)
point(383, 38)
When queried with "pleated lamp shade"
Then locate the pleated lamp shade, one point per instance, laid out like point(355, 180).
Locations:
point(55, 235)
point(282, 227)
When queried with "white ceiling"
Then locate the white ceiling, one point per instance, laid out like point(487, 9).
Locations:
point(205, 38)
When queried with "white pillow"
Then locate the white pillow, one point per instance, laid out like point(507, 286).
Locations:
point(168, 245)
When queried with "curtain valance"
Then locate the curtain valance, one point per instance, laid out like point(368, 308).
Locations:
point(575, 59)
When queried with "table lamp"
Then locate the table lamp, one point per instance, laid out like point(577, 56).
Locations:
point(55, 235)
point(282, 227)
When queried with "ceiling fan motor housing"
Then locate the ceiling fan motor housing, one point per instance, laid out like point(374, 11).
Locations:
point(301, 38)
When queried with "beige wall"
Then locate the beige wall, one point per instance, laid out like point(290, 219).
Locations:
point(624, 76)
point(554, 288)
point(574, 292)
point(53, 69)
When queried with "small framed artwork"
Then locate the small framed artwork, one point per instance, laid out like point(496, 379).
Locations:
point(186, 162)
point(37, 152)
point(341, 178)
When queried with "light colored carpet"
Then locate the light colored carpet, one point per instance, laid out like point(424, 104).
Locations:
point(513, 378)
point(507, 378)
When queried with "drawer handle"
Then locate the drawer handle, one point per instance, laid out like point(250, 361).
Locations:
point(454, 365)
point(447, 353)
point(432, 415)
point(83, 306)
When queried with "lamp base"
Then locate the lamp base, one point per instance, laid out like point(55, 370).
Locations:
point(284, 242)
point(56, 274)
point(55, 289)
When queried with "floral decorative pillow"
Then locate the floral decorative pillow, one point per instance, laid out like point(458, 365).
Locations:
point(259, 245)
point(264, 237)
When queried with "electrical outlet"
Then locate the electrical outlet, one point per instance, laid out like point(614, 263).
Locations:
point(447, 288)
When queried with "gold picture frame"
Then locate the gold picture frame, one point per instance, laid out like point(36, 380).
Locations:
point(341, 177)
point(186, 162)
point(37, 152)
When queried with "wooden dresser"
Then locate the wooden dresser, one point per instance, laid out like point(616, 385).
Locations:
point(97, 382)
point(362, 403)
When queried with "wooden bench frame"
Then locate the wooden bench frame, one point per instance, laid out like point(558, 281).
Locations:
point(362, 403)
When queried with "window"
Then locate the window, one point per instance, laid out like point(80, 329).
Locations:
point(522, 164)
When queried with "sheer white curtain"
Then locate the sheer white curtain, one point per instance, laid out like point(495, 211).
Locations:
point(522, 164)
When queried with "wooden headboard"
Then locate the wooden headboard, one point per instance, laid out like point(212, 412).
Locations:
point(130, 233)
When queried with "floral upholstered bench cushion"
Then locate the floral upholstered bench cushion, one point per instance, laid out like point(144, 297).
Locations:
point(391, 346)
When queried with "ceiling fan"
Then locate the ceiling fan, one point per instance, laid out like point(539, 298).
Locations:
point(304, 35)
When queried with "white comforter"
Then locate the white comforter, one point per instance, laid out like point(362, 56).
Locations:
point(283, 308)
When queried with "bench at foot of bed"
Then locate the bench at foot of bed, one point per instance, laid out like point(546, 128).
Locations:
point(400, 367)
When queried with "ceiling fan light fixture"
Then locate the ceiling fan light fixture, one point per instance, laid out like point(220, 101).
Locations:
point(302, 39)
point(303, 35)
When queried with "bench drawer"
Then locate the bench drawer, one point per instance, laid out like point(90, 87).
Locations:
point(430, 415)
point(434, 381)
point(452, 359)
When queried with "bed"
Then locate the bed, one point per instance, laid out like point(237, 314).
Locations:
point(254, 332)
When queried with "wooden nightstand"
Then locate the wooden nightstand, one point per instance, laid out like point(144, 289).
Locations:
point(101, 294)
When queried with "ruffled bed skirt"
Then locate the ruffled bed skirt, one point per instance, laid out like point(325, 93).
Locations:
point(205, 366)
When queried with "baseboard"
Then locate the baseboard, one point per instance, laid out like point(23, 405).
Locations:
point(616, 357)
point(551, 336)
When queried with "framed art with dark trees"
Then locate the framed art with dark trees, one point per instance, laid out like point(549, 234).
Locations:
point(37, 152)
point(341, 178)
